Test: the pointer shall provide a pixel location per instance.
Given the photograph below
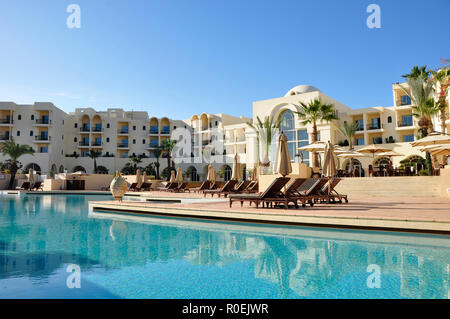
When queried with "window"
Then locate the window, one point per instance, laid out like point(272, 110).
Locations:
point(19, 117)
point(134, 127)
point(287, 126)
point(32, 117)
point(75, 140)
point(405, 100)
point(18, 133)
point(407, 120)
point(144, 128)
point(378, 140)
point(360, 141)
point(389, 119)
point(107, 140)
point(174, 127)
point(43, 149)
point(408, 138)
point(217, 123)
point(31, 133)
point(134, 141)
point(143, 142)
point(107, 125)
point(76, 125)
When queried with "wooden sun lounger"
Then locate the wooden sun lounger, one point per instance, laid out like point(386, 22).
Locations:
point(37, 186)
point(272, 194)
point(215, 185)
point(203, 186)
point(329, 190)
point(25, 186)
point(169, 187)
point(144, 187)
point(182, 187)
point(237, 190)
point(227, 188)
point(132, 187)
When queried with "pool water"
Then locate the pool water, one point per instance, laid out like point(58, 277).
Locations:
point(123, 256)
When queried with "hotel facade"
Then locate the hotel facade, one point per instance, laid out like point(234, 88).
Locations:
point(62, 141)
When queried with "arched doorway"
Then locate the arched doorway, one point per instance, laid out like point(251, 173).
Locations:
point(33, 166)
point(192, 173)
point(61, 169)
point(383, 163)
point(78, 168)
point(357, 167)
point(54, 169)
point(227, 172)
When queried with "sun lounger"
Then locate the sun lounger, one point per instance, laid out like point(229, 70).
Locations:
point(182, 187)
point(252, 187)
point(228, 187)
point(215, 185)
point(329, 190)
point(144, 187)
point(272, 194)
point(132, 187)
point(310, 191)
point(37, 186)
point(203, 186)
point(25, 186)
point(169, 187)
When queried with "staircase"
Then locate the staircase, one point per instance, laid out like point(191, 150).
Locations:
point(423, 186)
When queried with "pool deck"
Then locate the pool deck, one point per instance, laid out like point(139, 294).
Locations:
point(423, 214)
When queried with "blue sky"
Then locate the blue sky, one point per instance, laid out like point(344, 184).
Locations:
point(177, 57)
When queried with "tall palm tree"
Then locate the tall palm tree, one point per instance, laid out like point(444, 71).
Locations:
point(418, 72)
point(421, 94)
point(167, 146)
point(265, 131)
point(348, 130)
point(14, 151)
point(441, 80)
point(157, 152)
point(314, 112)
point(94, 155)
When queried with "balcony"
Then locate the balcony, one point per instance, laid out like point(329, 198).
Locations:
point(123, 131)
point(404, 124)
point(165, 130)
point(7, 121)
point(97, 143)
point(377, 140)
point(84, 144)
point(4, 137)
point(43, 121)
point(42, 138)
point(153, 144)
point(122, 145)
point(153, 130)
point(97, 129)
point(85, 129)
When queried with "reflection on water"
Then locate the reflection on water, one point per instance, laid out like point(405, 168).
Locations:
point(124, 256)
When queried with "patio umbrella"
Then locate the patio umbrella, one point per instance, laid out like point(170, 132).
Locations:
point(433, 138)
point(389, 154)
point(236, 169)
point(172, 176)
point(329, 163)
point(372, 149)
point(144, 177)
point(211, 174)
point(282, 164)
point(179, 178)
point(138, 178)
point(442, 150)
point(30, 176)
point(428, 148)
point(314, 147)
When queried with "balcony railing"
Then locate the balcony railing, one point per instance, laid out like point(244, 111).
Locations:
point(122, 145)
point(43, 121)
point(42, 138)
point(153, 144)
point(403, 124)
point(374, 126)
point(123, 131)
point(165, 130)
point(378, 140)
point(4, 137)
point(153, 130)
point(97, 129)
point(360, 128)
point(97, 143)
point(84, 143)
point(6, 121)
point(85, 129)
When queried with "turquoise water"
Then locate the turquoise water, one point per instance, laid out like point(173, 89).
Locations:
point(121, 256)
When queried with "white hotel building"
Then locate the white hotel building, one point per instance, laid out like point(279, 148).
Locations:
point(61, 141)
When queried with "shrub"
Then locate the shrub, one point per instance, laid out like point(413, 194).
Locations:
point(423, 172)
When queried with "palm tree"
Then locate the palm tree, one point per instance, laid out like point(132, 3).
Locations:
point(265, 131)
point(348, 130)
point(14, 151)
point(94, 155)
point(418, 72)
point(134, 161)
point(441, 80)
point(167, 146)
point(315, 112)
point(421, 94)
point(157, 151)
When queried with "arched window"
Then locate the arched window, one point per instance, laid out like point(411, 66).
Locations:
point(389, 119)
point(227, 172)
point(35, 167)
point(78, 169)
point(287, 126)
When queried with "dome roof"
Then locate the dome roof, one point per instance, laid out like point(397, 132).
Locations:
point(300, 89)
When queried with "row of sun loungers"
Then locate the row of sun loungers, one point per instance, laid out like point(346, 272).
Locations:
point(304, 191)
point(144, 187)
point(26, 186)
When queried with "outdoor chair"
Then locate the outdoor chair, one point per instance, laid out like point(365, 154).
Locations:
point(227, 188)
point(25, 186)
point(37, 186)
point(144, 187)
point(133, 187)
point(272, 194)
point(182, 187)
point(329, 190)
point(203, 186)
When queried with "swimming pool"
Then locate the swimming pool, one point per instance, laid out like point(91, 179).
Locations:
point(119, 256)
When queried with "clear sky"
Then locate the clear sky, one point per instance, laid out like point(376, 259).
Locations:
point(177, 57)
